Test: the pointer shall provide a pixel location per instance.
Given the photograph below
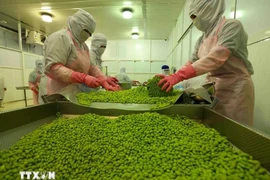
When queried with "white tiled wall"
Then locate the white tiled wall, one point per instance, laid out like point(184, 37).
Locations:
point(259, 55)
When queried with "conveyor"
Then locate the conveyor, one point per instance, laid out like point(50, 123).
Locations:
point(15, 124)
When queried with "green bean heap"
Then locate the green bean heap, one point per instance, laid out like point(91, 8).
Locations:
point(137, 146)
point(155, 91)
point(137, 95)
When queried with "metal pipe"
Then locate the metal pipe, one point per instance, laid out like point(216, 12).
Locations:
point(21, 49)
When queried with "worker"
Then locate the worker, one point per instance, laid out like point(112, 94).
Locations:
point(98, 46)
point(34, 80)
point(222, 53)
point(3, 88)
point(67, 56)
point(165, 69)
point(122, 77)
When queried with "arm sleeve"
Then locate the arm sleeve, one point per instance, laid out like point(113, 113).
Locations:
point(229, 40)
point(32, 77)
point(194, 57)
point(57, 49)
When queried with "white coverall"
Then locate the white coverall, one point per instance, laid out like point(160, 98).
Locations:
point(34, 80)
point(122, 76)
point(98, 46)
point(222, 53)
point(67, 56)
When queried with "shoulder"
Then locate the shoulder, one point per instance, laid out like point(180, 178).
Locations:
point(233, 24)
point(61, 35)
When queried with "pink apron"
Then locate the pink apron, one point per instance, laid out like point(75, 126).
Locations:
point(234, 86)
point(81, 64)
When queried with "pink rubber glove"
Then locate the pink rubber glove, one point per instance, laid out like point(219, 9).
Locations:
point(108, 83)
point(34, 89)
point(112, 79)
point(168, 82)
point(90, 81)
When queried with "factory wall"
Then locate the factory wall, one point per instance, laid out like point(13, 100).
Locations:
point(15, 65)
point(254, 17)
point(141, 58)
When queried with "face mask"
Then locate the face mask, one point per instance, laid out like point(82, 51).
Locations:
point(100, 51)
point(83, 36)
point(40, 68)
point(199, 24)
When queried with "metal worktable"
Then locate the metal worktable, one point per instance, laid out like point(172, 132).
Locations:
point(15, 124)
point(24, 88)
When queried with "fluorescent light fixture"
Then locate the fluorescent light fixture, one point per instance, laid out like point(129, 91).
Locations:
point(46, 17)
point(135, 35)
point(238, 14)
point(127, 13)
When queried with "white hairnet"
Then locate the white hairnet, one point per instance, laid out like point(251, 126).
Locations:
point(40, 65)
point(122, 70)
point(78, 22)
point(207, 12)
point(97, 41)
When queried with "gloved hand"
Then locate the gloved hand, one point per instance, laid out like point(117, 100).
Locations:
point(112, 79)
point(108, 83)
point(90, 81)
point(34, 89)
point(168, 82)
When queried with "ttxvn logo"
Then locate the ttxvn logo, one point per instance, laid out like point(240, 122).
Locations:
point(37, 175)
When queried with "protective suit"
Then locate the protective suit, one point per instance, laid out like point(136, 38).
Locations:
point(122, 76)
point(34, 80)
point(98, 46)
point(2, 89)
point(165, 69)
point(195, 82)
point(222, 53)
point(67, 56)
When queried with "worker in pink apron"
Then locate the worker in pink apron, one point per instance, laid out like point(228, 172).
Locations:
point(34, 80)
point(222, 53)
point(67, 56)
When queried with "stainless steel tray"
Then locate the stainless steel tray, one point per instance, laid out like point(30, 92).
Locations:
point(15, 124)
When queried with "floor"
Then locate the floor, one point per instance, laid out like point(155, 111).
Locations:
point(15, 105)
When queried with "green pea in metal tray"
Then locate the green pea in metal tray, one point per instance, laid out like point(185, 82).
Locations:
point(198, 96)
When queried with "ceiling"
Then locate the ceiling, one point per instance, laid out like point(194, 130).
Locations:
point(154, 18)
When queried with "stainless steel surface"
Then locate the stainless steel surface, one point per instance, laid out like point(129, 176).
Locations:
point(23, 87)
point(125, 85)
point(16, 118)
point(10, 137)
point(139, 107)
point(243, 137)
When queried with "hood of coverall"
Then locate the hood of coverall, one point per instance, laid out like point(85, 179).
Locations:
point(78, 22)
point(123, 70)
point(207, 13)
point(39, 66)
point(97, 41)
